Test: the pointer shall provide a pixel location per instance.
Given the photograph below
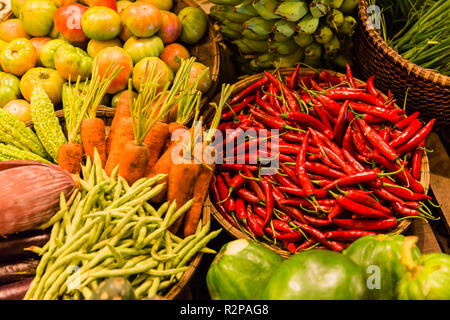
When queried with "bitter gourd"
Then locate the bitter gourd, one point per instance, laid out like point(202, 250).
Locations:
point(15, 132)
point(9, 152)
point(46, 123)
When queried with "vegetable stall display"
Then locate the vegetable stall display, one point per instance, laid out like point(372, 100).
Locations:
point(266, 34)
point(349, 161)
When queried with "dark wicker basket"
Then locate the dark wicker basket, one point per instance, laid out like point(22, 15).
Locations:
point(238, 234)
point(427, 92)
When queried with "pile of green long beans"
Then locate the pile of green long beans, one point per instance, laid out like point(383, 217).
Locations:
point(418, 30)
point(108, 229)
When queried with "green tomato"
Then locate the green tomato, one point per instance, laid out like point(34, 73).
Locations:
point(122, 4)
point(16, 6)
point(9, 88)
point(139, 48)
point(72, 62)
point(317, 275)
point(37, 17)
point(140, 72)
point(18, 56)
point(194, 24)
point(101, 23)
point(48, 51)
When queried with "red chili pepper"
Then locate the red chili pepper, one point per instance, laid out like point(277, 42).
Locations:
point(241, 213)
point(219, 206)
point(237, 108)
point(417, 161)
point(367, 225)
point(270, 121)
point(308, 120)
point(330, 144)
point(221, 187)
point(348, 235)
point(332, 106)
point(339, 126)
point(386, 195)
point(407, 134)
point(364, 198)
point(291, 174)
point(285, 181)
point(316, 222)
point(300, 168)
point(291, 100)
point(403, 210)
point(402, 192)
point(253, 223)
point(307, 203)
point(353, 95)
point(347, 141)
point(319, 193)
point(305, 80)
point(270, 77)
point(393, 115)
point(353, 162)
point(322, 114)
point(247, 195)
point(237, 167)
point(376, 141)
point(403, 124)
point(352, 179)
point(266, 106)
point(335, 211)
point(350, 78)
point(319, 236)
point(372, 90)
point(267, 189)
point(329, 78)
point(319, 168)
point(412, 204)
point(249, 90)
point(360, 209)
point(316, 86)
point(417, 139)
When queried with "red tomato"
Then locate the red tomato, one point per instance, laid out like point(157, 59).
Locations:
point(104, 3)
point(119, 57)
point(172, 55)
point(38, 43)
point(68, 22)
point(142, 19)
point(12, 29)
point(170, 28)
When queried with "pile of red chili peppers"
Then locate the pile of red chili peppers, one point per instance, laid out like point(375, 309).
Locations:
point(350, 161)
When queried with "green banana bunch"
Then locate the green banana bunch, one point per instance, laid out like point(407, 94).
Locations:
point(285, 47)
point(226, 2)
point(290, 60)
point(332, 47)
point(335, 19)
point(249, 34)
point(258, 25)
point(246, 7)
point(232, 25)
point(285, 28)
point(242, 46)
point(265, 60)
point(292, 10)
point(349, 26)
point(319, 8)
point(313, 52)
point(265, 8)
point(336, 4)
point(251, 46)
point(221, 12)
point(308, 24)
point(229, 32)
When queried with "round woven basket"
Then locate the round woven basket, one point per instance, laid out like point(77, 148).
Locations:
point(177, 290)
point(427, 92)
point(236, 233)
point(206, 51)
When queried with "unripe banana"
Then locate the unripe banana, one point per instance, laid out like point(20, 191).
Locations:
point(226, 2)
point(336, 4)
point(259, 25)
point(335, 19)
point(319, 8)
point(246, 7)
point(265, 60)
point(276, 36)
point(292, 11)
point(243, 47)
point(232, 25)
point(348, 6)
point(285, 47)
point(249, 34)
point(332, 47)
point(265, 8)
point(349, 26)
point(286, 28)
point(230, 33)
point(303, 39)
point(308, 24)
point(313, 51)
point(260, 46)
point(342, 61)
point(323, 34)
point(290, 60)
point(227, 12)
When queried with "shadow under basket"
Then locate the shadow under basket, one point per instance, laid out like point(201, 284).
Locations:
point(238, 234)
point(426, 91)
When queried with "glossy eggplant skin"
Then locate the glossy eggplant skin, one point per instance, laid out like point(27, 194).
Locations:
point(15, 290)
point(12, 247)
point(17, 271)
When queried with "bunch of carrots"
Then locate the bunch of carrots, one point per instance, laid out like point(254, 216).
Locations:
point(143, 140)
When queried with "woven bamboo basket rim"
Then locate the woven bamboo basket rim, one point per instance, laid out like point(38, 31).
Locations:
point(206, 51)
point(236, 233)
point(392, 56)
point(177, 289)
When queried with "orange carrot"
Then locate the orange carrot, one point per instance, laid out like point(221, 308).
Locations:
point(122, 110)
point(93, 137)
point(70, 156)
point(155, 140)
point(134, 161)
point(122, 134)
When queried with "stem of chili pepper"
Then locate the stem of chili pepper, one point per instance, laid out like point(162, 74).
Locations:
point(409, 132)
point(247, 91)
point(417, 139)
point(235, 109)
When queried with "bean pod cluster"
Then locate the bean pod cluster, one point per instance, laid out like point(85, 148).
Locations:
point(349, 161)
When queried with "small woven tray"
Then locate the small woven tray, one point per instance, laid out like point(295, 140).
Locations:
point(236, 233)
